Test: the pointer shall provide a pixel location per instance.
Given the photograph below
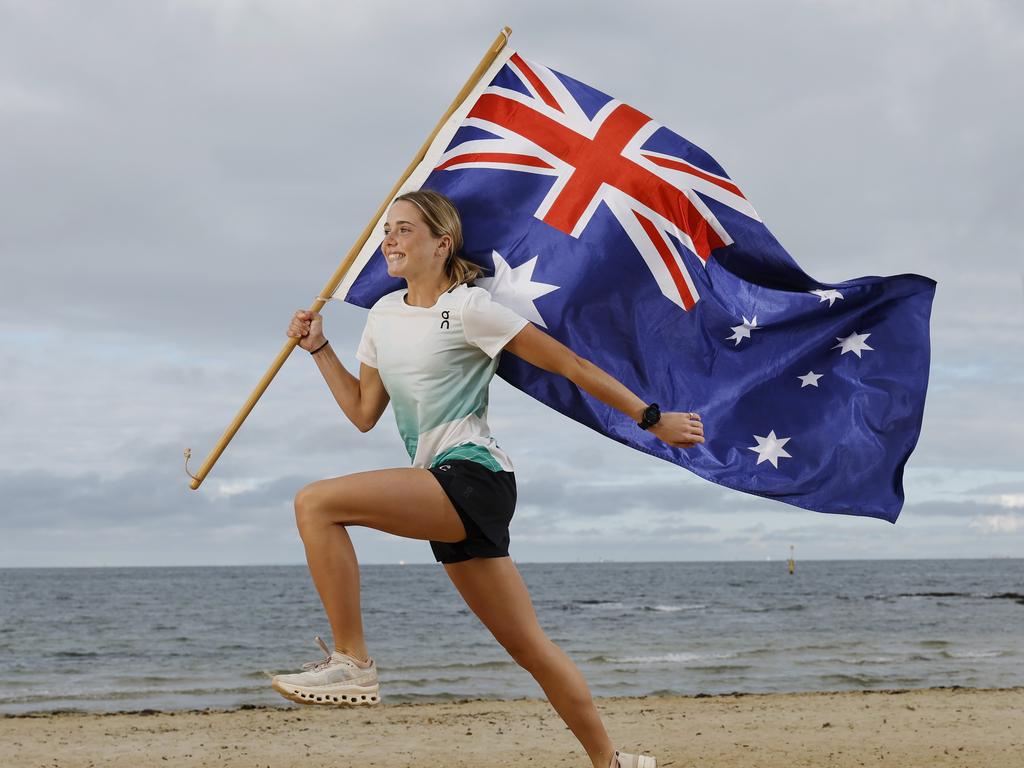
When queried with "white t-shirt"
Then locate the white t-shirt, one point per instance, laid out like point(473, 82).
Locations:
point(436, 364)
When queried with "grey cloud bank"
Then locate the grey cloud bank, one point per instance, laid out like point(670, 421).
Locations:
point(177, 178)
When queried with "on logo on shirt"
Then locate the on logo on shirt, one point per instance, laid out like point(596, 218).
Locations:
point(444, 319)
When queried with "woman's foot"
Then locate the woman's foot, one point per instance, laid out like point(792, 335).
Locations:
point(336, 680)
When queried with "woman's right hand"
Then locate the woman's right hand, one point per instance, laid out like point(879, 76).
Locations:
point(308, 327)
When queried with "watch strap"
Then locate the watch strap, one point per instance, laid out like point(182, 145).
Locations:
point(652, 414)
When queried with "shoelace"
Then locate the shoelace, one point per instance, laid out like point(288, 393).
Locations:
point(316, 666)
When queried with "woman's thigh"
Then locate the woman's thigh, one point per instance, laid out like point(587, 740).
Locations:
point(406, 502)
point(495, 591)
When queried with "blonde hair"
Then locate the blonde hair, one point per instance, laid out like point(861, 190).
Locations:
point(442, 217)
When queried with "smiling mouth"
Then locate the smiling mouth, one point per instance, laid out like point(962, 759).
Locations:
point(395, 257)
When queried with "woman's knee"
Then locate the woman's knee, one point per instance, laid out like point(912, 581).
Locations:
point(529, 650)
point(309, 506)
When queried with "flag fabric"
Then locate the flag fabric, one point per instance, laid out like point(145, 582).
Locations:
point(633, 247)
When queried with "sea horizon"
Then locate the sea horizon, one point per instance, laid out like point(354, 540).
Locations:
point(293, 564)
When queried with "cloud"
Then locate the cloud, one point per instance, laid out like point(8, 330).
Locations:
point(998, 524)
point(178, 178)
point(1010, 500)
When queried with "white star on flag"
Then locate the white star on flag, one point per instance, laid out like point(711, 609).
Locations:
point(770, 448)
point(830, 295)
point(855, 342)
point(809, 379)
point(740, 332)
point(514, 288)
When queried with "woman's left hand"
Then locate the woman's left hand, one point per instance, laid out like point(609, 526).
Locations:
point(681, 430)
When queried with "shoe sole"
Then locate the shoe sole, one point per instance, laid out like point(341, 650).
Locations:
point(330, 695)
point(638, 761)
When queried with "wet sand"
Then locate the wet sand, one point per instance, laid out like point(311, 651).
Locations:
point(969, 728)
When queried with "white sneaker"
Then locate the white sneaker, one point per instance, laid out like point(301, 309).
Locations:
point(622, 760)
point(335, 680)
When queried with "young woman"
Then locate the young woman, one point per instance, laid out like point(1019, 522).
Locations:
point(431, 349)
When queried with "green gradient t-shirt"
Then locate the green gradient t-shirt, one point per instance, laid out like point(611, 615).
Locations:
point(436, 364)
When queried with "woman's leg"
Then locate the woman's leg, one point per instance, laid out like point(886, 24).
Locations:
point(405, 502)
point(495, 592)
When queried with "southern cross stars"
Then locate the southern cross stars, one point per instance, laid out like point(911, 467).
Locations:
point(855, 342)
point(770, 448)
point(741, 332)
point(514, 287)
point(830, 295)
point(809, 379)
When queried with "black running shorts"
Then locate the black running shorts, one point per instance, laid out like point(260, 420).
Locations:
point(485, 501)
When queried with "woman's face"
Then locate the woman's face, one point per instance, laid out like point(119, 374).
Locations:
point(411, 250)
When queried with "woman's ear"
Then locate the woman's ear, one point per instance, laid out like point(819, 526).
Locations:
point(445, 244)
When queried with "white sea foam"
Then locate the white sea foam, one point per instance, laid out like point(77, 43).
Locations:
point(673, 658)
point(973, 654)
point(673, 608)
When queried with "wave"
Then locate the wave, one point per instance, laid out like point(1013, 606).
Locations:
point(1015, 596)
point(425, 681)
point(769, 609)
point(867, 660)
point(851, 679)
point(669, 658)
point(971, 654)
point(455, 665)
point(603, 604)
point(620, 606)
point(869, 681)
point(673, 608)
point(772, 651)
point(719, 669)
point(127, 695)
point(75, 655)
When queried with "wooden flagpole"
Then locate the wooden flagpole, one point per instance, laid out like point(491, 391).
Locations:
point(339, 274)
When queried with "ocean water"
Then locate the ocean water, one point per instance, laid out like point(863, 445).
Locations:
point(109, 639)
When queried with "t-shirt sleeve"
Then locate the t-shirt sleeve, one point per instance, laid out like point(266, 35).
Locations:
point(488, 324)
point(366, 352)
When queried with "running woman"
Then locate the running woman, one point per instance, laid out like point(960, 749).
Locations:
point(431, 349)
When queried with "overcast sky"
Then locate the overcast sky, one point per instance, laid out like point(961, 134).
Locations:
point(176, 178)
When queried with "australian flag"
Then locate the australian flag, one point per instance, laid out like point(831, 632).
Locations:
point(634, 248)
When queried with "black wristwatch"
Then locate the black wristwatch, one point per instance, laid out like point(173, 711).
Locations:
point(652, 414)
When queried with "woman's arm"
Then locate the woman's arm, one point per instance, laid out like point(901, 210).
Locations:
point(364, 399)
point(682, 430)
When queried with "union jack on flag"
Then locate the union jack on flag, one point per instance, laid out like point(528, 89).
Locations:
point(530, 122)
point(633, 247)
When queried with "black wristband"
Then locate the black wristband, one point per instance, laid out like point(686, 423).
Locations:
point(314, 351)
point(651, 416)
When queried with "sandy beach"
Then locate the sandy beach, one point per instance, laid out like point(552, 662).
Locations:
point(975, 728)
